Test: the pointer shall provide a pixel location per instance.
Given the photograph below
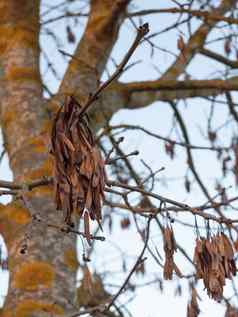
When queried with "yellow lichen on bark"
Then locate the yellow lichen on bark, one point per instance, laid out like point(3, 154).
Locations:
point(7, 229)
point(22, 74)
point(38, 144)
point(9, 33)
point(16, 213)
point(25, 35)
point(35, 275)
point(70, 259)
point(28, 306)
point(44, 170)
point(8, 117)
point(6, 313)
point(42, 191)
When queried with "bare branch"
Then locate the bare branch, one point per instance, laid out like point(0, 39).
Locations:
point(142, 31)
point(139, 261)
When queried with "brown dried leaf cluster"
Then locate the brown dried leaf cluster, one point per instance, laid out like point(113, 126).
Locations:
point(169, 249)
point(91, 292)
point(79, 175)
point(170, 149)
point(231, 312)
point(125, 223)
point(214, 261)
point(193, 308)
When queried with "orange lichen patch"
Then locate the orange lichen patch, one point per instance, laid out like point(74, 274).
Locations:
point(15, 261)
point(2, 207)
point(41, 191)
point(46, 127)
point(9, 230)
point(16, 213)
point(34, 275)
point(3, 46)
point(8, 117)
point(6, 313)
point(22, 74)
point(44, 170)
point(70, 259)
point(6, 33)
point(11, 34)
point(27, 307)
point(38, 144)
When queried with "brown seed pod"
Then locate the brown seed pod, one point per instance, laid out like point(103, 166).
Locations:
point(231, 311)
point(169, 249)
point(79, 174)
point(214, 262)
point(193, 308)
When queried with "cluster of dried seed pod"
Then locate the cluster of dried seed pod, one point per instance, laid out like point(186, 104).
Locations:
point(79, 175)
point(231, 311)
point(169, 249)
point(193, 308)
point(91, 292)
point(214, 261)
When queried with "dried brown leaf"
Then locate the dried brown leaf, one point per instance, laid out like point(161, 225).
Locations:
point(87, 227)
point(79, 173)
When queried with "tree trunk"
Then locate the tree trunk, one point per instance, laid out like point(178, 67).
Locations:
point(42, 277)
point(42, 259)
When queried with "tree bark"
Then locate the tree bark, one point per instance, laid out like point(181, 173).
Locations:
point(42, 260)
point(41, 279)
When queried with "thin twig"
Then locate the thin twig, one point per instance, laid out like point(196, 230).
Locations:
point(139, 261)
point(184, 144)
point(141, 32)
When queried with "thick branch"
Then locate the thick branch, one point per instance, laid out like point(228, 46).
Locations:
point(222, 85)
point(167, 88)
point(141, 94)
point(219, 58)
point(206, 15)
point(92, 53)
point(86, 66)
point(196, 42)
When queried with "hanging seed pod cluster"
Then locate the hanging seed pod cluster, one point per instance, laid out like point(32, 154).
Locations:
point(231, 311)
point(193, 308)
point(79, 175)
point(214, 261)
point(169, 249)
